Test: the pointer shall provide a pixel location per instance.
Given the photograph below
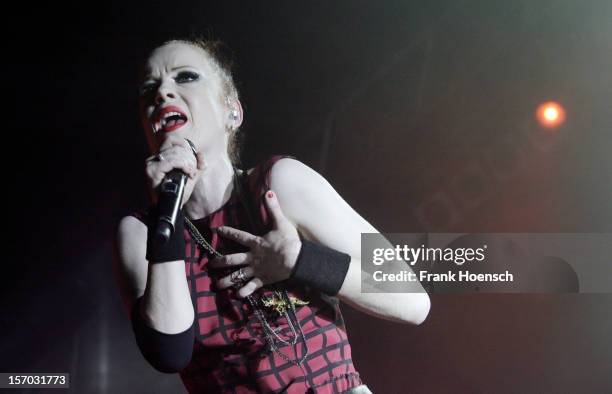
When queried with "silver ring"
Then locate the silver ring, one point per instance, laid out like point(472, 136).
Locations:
point(238, 277)
point(157, 157)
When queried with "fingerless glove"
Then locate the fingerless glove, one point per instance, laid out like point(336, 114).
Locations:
point(174, 249)
point(321, 267)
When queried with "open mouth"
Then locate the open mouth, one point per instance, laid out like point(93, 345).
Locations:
point(169, 119)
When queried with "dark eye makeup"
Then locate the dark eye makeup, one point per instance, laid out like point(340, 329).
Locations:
point(187, 76)
point(181, 77)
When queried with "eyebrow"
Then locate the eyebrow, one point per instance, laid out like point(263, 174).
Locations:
point(148, 75)
point(179, 67)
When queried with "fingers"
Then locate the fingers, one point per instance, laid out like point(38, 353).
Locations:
point(252, 286)
point(242, 237)
point(174, 140)
point(175, 156)
point(178, 153)
point(237, 277)
point(278, 217)
point(156, 171)
point(177, 159)
point(230, 260)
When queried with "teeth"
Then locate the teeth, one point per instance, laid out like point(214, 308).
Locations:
point(162, 122)
point(168, 114)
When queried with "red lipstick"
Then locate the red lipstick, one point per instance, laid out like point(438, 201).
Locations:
point(169, 119)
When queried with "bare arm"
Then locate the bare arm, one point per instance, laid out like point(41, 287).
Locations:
point(166, 305)
point(322, 216)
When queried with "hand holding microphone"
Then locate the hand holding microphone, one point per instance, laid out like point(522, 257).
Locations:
point(173, 173)
point(175, 153)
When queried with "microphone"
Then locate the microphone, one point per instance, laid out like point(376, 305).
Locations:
point(169, 204)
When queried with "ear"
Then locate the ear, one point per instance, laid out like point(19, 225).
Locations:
point(235, 113)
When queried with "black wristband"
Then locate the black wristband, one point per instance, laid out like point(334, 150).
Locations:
point(174, 249)
point(321, 267)
point(169, 353)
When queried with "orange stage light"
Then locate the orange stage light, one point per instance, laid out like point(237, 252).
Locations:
point(550, 115)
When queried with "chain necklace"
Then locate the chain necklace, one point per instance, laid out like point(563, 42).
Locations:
point(282, 307)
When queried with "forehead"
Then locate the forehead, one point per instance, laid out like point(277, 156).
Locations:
point(176, 54)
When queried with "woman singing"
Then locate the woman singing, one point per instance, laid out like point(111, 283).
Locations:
point(244, 296)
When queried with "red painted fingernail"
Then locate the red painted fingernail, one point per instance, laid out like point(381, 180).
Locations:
point(270, 194)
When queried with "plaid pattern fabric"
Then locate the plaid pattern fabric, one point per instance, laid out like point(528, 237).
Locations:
point(230, 352)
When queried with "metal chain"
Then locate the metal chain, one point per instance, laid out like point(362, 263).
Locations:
point(267, 328)
point(270, 340)
point(267, 325)
point(200, 239)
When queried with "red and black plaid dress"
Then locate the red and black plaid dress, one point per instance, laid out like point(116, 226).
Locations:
point(230, 352)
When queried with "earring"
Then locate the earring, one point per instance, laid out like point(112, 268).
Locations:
point(234, 115)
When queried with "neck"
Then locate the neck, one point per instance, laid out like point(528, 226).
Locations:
point(212, 190)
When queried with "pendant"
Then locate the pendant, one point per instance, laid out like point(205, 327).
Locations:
point(280, 305)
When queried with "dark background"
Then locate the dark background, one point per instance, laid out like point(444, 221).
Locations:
point(419, 113)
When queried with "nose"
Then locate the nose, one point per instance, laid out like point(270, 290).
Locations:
point(164, 93)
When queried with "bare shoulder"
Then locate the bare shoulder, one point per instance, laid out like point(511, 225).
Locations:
point(281, 164)
point(289, 174)
point(304, 195)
